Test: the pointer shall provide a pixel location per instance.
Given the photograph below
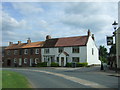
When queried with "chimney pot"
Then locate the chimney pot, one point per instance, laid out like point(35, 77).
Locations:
point(19, 42)
point(89, 33)
point(28, 41)
point(48, 37)
point(10, 43)
point(93, 37)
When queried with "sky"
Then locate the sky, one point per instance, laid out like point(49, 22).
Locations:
point(21, 20)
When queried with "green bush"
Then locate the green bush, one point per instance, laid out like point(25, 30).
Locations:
point(42, 64)
point(68, 64)
point(81, 64)
point(54, 64)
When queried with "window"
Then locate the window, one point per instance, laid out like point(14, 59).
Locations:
point(8, 52)
point(31, 51)
point(75, 59)
point(15, 60)
point(46, 50)
point(25, 60)
point(26, 51)
point(75, 49)
point(15, 52)
point(92, 51)
point(36, 51)
point(36, 60)
point(58, 59)
point(60, 50)
point(20, 52)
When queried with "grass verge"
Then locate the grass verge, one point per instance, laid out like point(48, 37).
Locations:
point(12, 79)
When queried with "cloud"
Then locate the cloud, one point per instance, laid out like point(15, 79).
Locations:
point(11, 24)
point(27, 9)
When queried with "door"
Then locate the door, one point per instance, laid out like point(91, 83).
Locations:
point(20, 62)
point(62, 61)
point(9, 62)
point(31, 62)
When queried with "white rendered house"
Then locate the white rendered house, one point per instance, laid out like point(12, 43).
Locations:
point(70, 49)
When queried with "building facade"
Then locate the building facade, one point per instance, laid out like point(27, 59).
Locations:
point(80, 49)
point(23, 54)
point(64, 50)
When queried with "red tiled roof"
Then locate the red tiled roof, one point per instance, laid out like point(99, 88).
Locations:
point(72, 41)
point(26, 45)
point(67, 41)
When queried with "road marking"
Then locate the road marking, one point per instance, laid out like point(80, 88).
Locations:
point(74, 79)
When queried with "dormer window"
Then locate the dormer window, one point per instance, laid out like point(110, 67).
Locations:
point(26, 51)
point(37, 51)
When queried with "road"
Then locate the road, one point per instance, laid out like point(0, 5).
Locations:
point(68, 77)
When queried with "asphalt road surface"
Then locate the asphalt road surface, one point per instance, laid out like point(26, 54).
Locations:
point(68, 78)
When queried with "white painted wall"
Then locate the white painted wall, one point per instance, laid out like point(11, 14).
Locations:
point(54, 51)
point(85, 54)
point(92, 59)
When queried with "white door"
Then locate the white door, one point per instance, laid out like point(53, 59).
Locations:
point(20, 61)
point(31, 61)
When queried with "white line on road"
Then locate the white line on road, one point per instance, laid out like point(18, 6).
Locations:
point(74, 79)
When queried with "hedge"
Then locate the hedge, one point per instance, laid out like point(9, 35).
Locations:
point(81, 64)
point(54, 64)
point(68, 64)
point(42, 64)
point(77, 64)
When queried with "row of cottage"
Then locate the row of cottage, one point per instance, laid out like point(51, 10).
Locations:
point(59, 50)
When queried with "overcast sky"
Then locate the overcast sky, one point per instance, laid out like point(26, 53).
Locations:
point(60, 19)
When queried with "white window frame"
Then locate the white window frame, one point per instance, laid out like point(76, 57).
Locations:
point(8, 52)
point(36, 51)
point(25, 51)
point(25, 60)
point(15, 52)
point(15, 60)
point(36, 60)
point(46, 50)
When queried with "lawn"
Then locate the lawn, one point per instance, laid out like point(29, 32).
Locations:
point(12, 79)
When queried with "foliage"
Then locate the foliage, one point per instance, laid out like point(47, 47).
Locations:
point(54, 64)
point(42, 64)
point(77, 64)
point(103, 54)
point(12, 79)
point(68, 64)
point(81, 64)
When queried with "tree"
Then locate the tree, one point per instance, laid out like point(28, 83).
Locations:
point(103, 54)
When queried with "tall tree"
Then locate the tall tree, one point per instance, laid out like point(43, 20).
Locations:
point(103, 54)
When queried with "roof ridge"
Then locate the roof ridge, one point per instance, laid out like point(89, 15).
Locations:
point(70, 37)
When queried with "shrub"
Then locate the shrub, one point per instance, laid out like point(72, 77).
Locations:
point(68, 64)
point(81, 64)
point(42, 64)
point(54, 64)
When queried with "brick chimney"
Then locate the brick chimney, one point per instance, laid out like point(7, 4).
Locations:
point(48, 37)
point(19, 42)
point(93, 37)
point(89, 33)
point(28, 41)
point(10, 43)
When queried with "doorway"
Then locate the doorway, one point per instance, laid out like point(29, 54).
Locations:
point(62, 61)
point(9, 62)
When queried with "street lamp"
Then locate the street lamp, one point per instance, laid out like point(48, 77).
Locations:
point(115, 25)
